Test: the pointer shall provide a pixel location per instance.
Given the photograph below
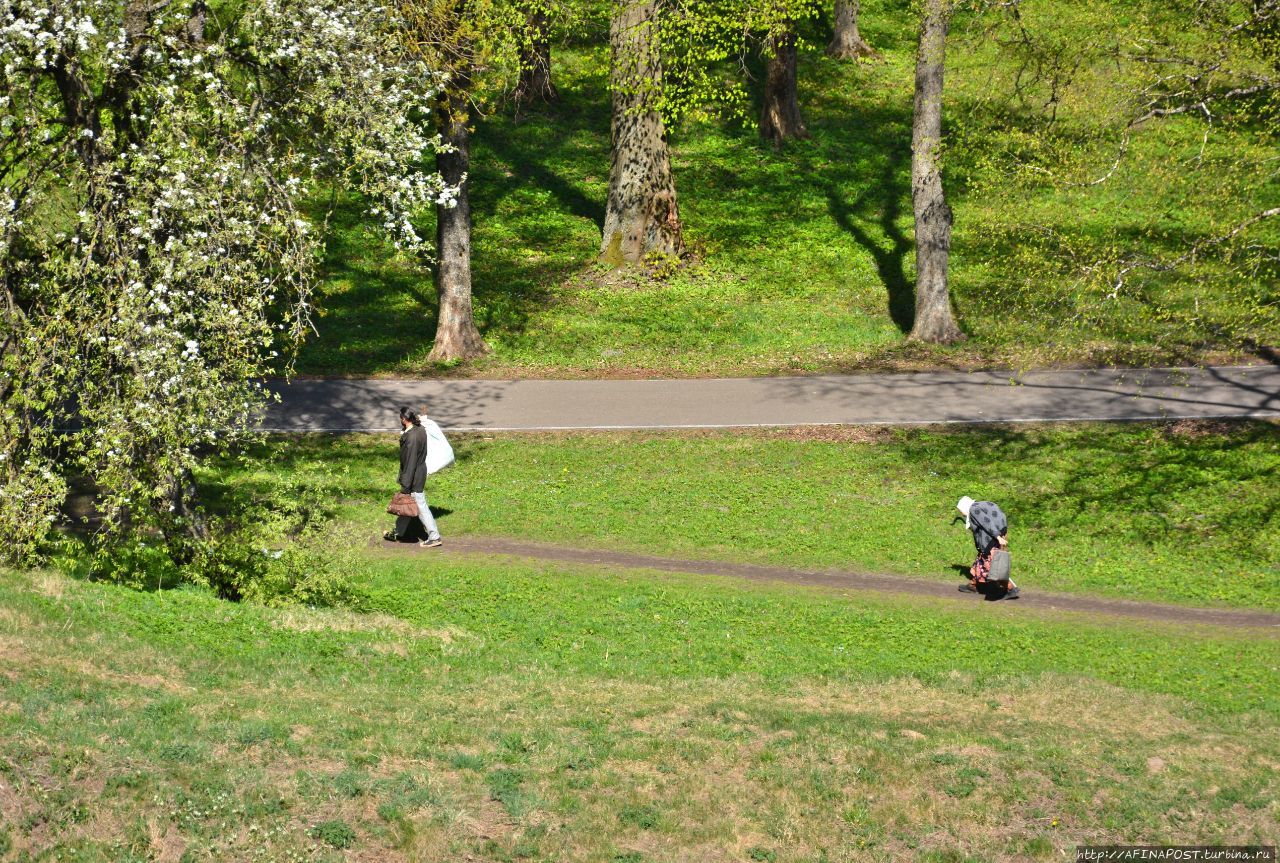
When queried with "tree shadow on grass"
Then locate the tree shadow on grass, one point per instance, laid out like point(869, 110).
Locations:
point(544, 166)
point(538, 203)
point(539, 184)
point(891, 261)
point(314, 460)
point(856, 161)
point(538, 191)
point(375, 309)
point(536, 219)
point(1161, 316)
point(1183, 484)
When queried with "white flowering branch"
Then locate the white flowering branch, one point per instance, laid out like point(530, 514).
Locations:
point(156, 255)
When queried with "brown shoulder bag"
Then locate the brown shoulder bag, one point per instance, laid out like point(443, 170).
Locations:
point(403, 504)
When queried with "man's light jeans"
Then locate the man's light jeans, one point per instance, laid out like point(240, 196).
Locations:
point(424, 515)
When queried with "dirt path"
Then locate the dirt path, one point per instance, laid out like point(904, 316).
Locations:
point(849, 580)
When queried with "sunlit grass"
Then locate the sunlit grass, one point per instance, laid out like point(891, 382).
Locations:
point(1183, 513)
point(502, 711)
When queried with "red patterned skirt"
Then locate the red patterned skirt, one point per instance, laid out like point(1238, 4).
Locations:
point(982, 566)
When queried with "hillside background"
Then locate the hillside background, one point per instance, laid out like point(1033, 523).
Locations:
point(803, 259)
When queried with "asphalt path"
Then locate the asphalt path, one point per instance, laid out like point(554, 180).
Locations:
point(347, 405)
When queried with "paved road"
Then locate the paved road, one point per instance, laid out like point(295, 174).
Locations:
point(871, 399)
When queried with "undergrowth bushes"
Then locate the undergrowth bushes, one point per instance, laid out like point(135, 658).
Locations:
point(272, 542)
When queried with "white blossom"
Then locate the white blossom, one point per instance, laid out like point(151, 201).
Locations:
point(173, 299)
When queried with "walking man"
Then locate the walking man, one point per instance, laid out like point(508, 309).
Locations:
point(413, 476)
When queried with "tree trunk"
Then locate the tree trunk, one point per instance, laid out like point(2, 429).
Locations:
point(185, 498)
point(780, 119)
point(847, 43)
point(933, 320)
point(641, 215)
point(456, 335)
point(184, 525)
point(535, 63)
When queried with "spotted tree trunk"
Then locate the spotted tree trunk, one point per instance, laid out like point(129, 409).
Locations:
point(933, 320)
point(456, 334)
point(641, 214)
point(847, 43)
point(535, 63)
point(780, 118)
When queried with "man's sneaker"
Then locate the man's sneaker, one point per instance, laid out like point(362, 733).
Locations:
point(1011, 593)
point(391, 536)
point(430, 543)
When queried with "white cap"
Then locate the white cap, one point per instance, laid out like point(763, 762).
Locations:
point(963, 505)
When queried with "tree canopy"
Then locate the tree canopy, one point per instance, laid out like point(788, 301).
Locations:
point(156, 256)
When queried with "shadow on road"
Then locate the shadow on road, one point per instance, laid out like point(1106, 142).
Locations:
point(1102, 394)
point(374, 405)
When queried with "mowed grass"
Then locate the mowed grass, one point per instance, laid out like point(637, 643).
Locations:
point(496, 711)
point(1183, 513)
point(803, 260)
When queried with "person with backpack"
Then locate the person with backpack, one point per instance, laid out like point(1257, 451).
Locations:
point(413, 479)
point(990, 530)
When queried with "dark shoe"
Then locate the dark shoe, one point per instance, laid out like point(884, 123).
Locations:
point(430, 543)
point(391, 536)
point(969, 587)
point(1012, 593)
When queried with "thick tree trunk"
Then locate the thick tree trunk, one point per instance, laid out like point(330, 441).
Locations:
point(641, 215)
point(847, 43)
point(780, 119)
point(456, 335)
point(933, 320)
point(535, 63)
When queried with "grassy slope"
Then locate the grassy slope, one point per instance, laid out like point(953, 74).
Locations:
point(1168, 513)
point(806, 255)
point(511, 712)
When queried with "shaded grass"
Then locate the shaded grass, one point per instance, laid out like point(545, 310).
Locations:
point(573, 714)
point(803, 260)
point(1184, 512)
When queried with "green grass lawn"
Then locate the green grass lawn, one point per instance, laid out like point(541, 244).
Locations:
point(1184, 513)
point(803, 260)
point(498, 710)
point(494, 711)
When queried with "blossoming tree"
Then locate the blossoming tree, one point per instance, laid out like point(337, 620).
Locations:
point(155, 253)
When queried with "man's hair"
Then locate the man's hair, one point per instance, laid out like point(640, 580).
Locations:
point(410, 415)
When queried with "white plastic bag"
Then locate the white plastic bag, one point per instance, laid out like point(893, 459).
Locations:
point(439, 453)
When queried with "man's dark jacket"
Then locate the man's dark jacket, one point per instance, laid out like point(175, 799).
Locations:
point(413, 460)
